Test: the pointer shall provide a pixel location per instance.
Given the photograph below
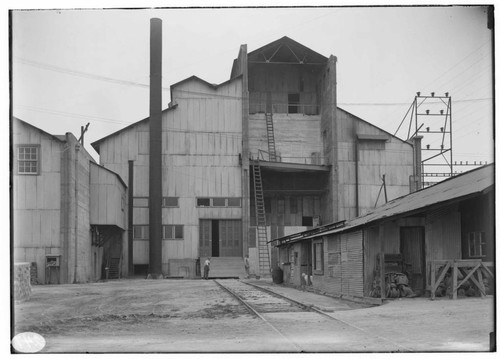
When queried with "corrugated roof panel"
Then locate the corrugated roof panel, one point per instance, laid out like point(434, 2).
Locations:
point(471, 182)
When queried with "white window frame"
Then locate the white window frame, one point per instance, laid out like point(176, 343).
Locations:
point(479, 244)
point(24, 160)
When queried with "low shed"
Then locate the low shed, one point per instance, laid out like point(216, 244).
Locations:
point(446, 229)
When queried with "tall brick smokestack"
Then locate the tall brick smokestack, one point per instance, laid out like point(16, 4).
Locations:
point(155, 162)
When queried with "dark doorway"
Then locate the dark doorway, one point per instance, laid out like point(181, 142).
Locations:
point(215, 238)
point(412, 248)
point(293, 102)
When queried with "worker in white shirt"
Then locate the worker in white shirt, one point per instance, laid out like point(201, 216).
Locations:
point(206, 268)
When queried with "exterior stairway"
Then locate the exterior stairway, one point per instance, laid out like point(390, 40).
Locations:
point(225, 267)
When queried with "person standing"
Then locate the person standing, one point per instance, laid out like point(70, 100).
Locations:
point(247, 266)
point(206, 268)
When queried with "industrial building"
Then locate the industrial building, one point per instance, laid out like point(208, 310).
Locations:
point(443, 231)
point(69, 213)
point(227, 167)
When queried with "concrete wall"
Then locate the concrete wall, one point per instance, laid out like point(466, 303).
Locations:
point(75, 213)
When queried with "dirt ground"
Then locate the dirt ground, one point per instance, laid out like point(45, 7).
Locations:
point(175, 316)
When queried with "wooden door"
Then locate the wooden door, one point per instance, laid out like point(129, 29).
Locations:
point(205, 238)
point(230, 238)
point(412, 248)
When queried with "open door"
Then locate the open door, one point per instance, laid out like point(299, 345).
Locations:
point(412, 248)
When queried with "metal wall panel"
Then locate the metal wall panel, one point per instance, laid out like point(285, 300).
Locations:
point(352, 263)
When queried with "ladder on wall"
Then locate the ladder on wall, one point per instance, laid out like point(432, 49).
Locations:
point(260, 218)
point(271, 145)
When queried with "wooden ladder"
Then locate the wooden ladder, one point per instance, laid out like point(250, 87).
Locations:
point(260, 216)
point(271, 145)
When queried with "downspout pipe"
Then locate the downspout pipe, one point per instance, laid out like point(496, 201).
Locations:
point(77, 150)
point(356, 159)
point(130, 218)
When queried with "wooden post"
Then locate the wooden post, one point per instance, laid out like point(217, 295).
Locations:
point(433, 280)
point(455, 274)
point(481, 288)
point(382, 275)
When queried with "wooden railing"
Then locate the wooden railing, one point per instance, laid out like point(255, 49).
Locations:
point(470, 269)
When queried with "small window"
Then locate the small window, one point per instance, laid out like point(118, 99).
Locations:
point(28, 160)
point(173, 231)
point(219, 202)
point(141, 202)
point(170, 202)
point(234, 202)
point(203, 202)
point(307, 221)
point(477, 244)
point(318, 257)
point(141, 232)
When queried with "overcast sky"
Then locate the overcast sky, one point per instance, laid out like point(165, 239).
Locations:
point(71, 67)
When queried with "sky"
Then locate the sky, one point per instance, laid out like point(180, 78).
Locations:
point(73, 67)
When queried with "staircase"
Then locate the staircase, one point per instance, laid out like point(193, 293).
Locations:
point(225, 267)
point(260, 216)
point(271, 145)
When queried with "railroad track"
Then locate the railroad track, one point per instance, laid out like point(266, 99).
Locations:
point(262, 302)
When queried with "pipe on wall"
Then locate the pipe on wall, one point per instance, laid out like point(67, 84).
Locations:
point(130, 218)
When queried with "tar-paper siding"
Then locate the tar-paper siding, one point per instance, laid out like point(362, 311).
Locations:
point(108, 200)
point(297, 137)
point(201, 143)
point(51, 209)
point(281, 80)
point(37, 199)
point(391, 157)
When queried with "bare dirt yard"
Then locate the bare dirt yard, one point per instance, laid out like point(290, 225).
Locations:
point(180, 316)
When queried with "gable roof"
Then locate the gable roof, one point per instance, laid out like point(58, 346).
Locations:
point(60, 138)
point(470, 183)
point(286, 50)
point(378, 128)
point(97, 143)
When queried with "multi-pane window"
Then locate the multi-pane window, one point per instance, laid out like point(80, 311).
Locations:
point(170, 202)
point(141, 202)
point(28, 160)
point(141, 232)
point(218, 202)
point(477, 244)
point(318, 257)
point(172, 231)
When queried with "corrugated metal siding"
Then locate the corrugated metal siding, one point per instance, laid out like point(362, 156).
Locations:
point(334, 271)
point(352, 263)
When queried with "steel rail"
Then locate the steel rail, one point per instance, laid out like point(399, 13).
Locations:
point(319, 311)
point(255, 312)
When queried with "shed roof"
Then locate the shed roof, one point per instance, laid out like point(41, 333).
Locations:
point(470, 183)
